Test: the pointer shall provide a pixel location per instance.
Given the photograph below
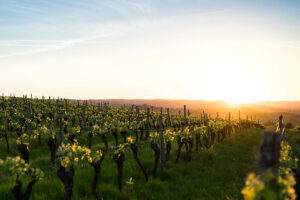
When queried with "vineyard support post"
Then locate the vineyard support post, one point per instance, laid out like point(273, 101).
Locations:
point(162, 154)
point(208, 129)
point(61, 127)
point(84, 118)
point(169, 121)
point(281, 127)
point(184, 108)
point(270, 152)
point(137, 115)
point(57, 106)
point(66, 102)
point(148, 123)
point(29, 109)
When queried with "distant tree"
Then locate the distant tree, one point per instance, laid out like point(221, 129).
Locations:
point(289, 126)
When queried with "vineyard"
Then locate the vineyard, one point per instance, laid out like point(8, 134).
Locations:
point(60, 149)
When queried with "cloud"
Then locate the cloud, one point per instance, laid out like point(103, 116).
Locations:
point(126, 7)
point(97, 31)
point(45, 45)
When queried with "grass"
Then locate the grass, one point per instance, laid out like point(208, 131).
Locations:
point(293, 138)
point(216, 173)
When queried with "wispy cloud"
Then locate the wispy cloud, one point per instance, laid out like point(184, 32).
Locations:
point(126, 7)
point(28, 47)
point(44, 45)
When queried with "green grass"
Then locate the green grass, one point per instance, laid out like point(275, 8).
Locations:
point(217, 173)
point(293, 138)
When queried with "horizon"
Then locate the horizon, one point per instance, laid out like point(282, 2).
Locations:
point(239, 52)
point(155, 99)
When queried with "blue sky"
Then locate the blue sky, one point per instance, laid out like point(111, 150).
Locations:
point(74, 41)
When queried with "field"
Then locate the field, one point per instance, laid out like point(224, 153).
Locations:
point(149, 100)
point(209, 158)
point(193, 173)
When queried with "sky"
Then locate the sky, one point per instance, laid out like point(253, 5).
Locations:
point(239, 51)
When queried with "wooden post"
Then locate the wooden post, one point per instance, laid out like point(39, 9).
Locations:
point(29, 109)
point(281, 127)
point(184, 108)
point(84, 118)
point(162, 154)
point(61, 128)
point(66, 102)
point(148, 115)
point(270, 152)
point(137, 115)
point(57, 106)
point(208, 129)
point(148, 123)
point(168, 113)
point(217, 115)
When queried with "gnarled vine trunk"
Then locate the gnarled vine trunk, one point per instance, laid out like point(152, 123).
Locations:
point(53, 147)
point(134, 149)
point(103, 137)
point(119, 159)
point(17, 190)
point(67, 178)
point(97, 169)
point(169, 145)
point(156, 150)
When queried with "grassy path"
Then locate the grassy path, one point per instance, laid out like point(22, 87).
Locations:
point(217, 173)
